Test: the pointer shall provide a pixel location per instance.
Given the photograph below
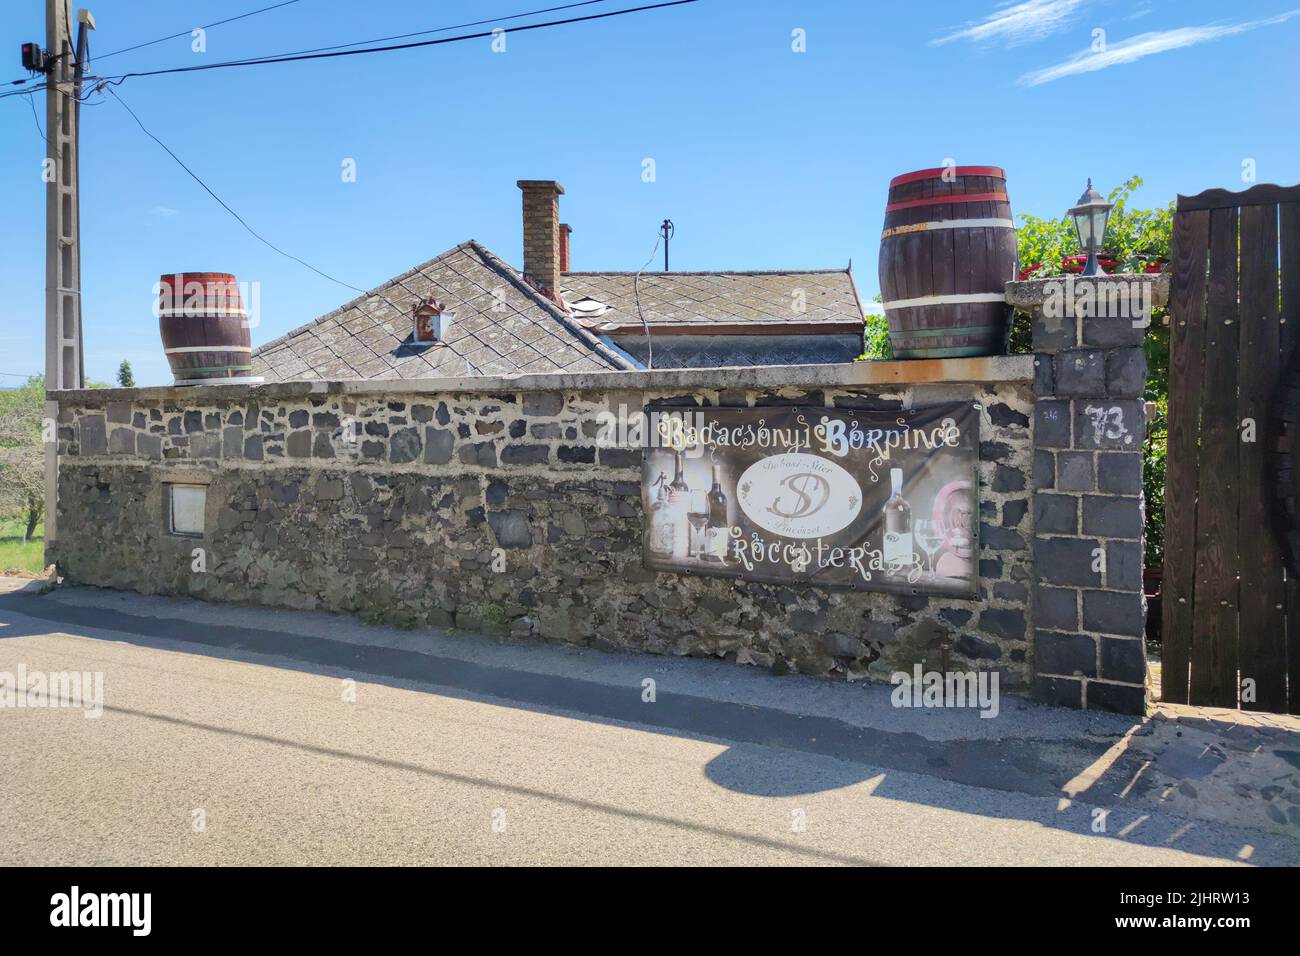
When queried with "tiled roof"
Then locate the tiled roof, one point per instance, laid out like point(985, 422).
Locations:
point(499, 326)
point(713, 299)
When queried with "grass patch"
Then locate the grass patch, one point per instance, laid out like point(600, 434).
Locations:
point(376, 616)
point(17, 555)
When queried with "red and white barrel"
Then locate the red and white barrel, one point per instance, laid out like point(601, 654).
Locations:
point(946, 253)
point(205, 329)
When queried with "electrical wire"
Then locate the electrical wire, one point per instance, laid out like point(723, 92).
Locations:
point(39, 89)
point(330, 52)
point(117, 79)
point(102, 83)
point(174, 36)
point(36, 117)
point(636, 291)
point(458, 26)
point(36, 89)
point(32, 104)
point(240, 219)
point(186, 33)
point(259, 237)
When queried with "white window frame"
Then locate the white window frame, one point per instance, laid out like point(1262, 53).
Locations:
point(188, 531)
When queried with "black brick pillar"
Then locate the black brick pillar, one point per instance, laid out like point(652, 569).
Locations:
point(1089, 613)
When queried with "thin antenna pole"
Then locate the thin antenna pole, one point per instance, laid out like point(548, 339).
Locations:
point(666, 232)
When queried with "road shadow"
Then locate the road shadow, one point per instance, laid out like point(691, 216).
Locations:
point(1065, 780)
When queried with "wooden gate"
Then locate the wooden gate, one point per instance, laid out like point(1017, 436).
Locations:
point(1231, 607)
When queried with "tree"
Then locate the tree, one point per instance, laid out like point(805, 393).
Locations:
point(22, 454)
point(125, 377)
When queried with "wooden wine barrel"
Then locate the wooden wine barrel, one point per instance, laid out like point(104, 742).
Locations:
point(204, 328)
point(947, 251)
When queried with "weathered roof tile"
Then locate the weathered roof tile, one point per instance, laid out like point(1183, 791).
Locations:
point(718, 298)
point(501, 325)
point(493, 311)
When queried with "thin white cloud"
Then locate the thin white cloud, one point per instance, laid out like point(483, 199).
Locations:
point(1018, 23)
point(165, 212)
point(1146, 44)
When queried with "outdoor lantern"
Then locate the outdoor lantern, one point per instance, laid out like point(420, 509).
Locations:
point(1090, 217)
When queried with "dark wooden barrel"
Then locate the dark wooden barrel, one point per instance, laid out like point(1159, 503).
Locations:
point(204, 328)
point(946, 253)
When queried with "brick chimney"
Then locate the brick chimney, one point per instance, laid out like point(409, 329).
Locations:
point(542, 242)
point(565, 231)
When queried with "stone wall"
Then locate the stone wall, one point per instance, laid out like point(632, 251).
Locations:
point(487, 504)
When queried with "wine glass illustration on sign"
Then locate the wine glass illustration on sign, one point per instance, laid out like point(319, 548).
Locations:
point(699, 518)
point(930, 535)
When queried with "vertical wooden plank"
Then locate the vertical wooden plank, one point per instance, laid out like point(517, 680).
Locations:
point(1262, 654)
point(943, 261)
point(1215, 625)
point(912, 264)
point(962, 242)
point(1186, 369)
point(1289, 324)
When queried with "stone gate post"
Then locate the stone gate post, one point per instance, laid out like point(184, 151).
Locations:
point(1088, 608)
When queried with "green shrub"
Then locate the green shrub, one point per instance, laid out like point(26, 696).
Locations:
point(1133, 236)
point(875, 340)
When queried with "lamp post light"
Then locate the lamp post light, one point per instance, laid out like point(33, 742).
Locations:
point(1090, 217)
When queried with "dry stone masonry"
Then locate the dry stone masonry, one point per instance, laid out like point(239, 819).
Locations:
point(492, 505)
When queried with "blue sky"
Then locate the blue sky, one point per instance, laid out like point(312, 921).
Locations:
point(764, 157)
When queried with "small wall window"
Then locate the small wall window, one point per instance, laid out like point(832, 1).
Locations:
point(185, 507)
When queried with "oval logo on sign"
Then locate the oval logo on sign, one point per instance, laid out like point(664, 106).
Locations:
point(799, 496)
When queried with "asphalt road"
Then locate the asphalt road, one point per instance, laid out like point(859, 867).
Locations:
point(211, 752)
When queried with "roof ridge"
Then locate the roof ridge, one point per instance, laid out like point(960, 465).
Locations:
point(495, 262)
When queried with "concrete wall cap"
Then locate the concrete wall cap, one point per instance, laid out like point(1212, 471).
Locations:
point(1030, 293)
point(990, 369)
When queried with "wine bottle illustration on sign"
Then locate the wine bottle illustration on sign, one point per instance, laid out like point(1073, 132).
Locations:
point(897, 550)
point(679, 505)
point(718, 531)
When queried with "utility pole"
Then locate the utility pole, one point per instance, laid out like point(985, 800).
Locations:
point(64, 364)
